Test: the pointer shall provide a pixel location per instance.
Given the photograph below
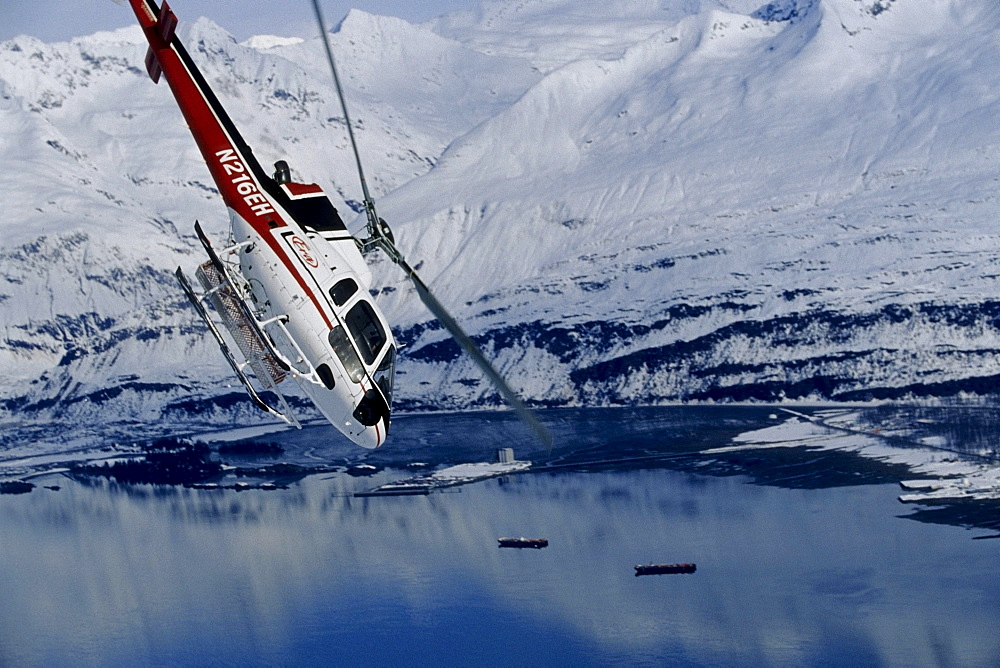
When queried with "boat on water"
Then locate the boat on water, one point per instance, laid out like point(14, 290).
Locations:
point(659, 569)
point(536, 543)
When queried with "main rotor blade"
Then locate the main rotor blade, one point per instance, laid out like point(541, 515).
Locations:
point(378, 235)
point(469, 346)
point(368, 201)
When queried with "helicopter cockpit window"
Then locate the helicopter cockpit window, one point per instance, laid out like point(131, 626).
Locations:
point(343, 290)
point(366, 330)
point(341, 345)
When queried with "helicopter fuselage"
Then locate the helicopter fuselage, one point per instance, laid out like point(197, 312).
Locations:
point(331, 334)
point(290, 261)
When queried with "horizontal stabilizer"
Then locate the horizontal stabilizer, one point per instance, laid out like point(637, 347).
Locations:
point(153, 66)
point(166, 24)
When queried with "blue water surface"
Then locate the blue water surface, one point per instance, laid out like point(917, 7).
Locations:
point(99, 573)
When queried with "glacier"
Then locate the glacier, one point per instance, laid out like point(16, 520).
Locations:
point(624, 202)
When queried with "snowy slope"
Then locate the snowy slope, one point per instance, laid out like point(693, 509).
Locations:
point(626, 202)
point(736, 208)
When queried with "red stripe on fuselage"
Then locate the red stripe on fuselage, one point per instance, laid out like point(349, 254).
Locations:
point(298, 190)
point(231, 170)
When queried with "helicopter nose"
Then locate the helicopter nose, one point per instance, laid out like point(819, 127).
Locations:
point(371, 437)
point(372, 409)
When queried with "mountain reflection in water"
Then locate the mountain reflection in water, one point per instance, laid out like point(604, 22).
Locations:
point(103, 573)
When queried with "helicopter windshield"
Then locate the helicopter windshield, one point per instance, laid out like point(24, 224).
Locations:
point(366, 330)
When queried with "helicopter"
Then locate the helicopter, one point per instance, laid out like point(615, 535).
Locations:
point(290, 286)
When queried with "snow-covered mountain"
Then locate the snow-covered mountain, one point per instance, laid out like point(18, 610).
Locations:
point(625, 201)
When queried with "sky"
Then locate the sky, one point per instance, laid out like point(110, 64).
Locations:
point(60, 20)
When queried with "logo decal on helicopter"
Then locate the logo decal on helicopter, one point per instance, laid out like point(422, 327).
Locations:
point(302, 248)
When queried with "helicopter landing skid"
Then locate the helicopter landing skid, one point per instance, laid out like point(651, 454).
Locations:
point(266, 367)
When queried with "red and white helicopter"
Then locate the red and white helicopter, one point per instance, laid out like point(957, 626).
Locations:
point(291, 286)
